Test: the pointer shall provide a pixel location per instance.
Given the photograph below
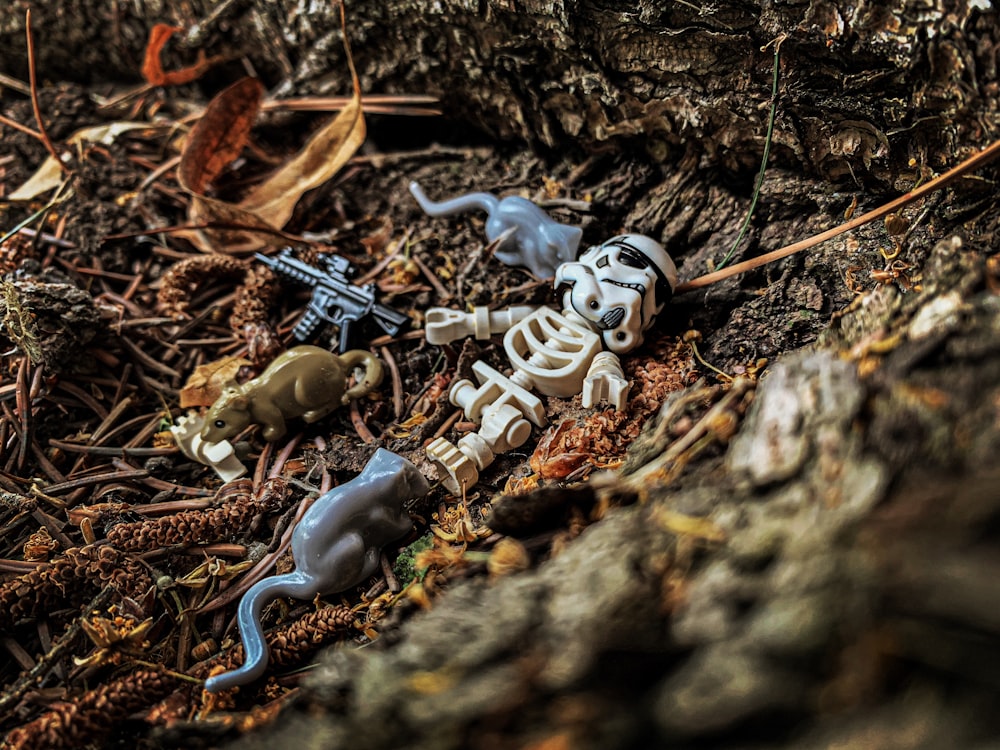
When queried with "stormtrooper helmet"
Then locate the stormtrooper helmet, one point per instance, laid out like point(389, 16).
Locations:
point(619, 287)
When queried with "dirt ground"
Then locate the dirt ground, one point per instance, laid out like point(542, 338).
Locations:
point(796, 551)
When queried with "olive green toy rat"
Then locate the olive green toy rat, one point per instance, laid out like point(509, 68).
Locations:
point(306, 381)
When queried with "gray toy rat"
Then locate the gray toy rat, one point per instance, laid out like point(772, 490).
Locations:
point(336, 545)
point(537, 241)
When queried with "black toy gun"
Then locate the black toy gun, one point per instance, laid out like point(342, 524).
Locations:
point(334, 298)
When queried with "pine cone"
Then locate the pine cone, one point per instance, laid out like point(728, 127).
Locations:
point(70, 581)
point(92, 716)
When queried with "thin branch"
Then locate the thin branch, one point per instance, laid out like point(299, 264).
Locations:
point(34, 93)
point(18, 126)
point(975, 161)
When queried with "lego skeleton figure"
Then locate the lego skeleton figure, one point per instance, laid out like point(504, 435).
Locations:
point(611, 297)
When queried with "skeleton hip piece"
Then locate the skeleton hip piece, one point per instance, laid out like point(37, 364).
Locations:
point(611, 297)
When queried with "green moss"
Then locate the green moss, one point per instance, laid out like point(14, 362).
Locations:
point(405, 567)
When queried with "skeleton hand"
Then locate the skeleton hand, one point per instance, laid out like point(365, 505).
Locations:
point(605, 381)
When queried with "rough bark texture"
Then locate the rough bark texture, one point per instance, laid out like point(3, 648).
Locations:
point(849, 606)
point(852, 601)
point(865, 86)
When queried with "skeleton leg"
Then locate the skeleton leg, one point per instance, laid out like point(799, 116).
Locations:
point(502, 408)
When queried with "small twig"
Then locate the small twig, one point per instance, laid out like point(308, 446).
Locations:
point(14, 424)
point(43, 461)
point(260, 470)
point(384, 263)
point(359, 423)
point(84, 398)
point(53, 526)
point(219, 225)
point(18, 566)
point(12, 83)
point(15, 649)
point(110, 450)
point(175, 506)
point(397, 381)
point(333, 103)
point(113, 476)
point(282, 458)
point(691, 340)
point(108, 422)
point(49, 239)
point(146, 360)
point(32, 82)
point(18, 126)
point(448, 423)
point(160, 484)
point(431, 277)
point(23, 403)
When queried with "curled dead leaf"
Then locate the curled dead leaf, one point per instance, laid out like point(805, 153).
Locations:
point(219, 136)
point(218, 139)
point(551, 459)
point(321, 158)
point(207, 381)
point(508, 556)
point(152, 67)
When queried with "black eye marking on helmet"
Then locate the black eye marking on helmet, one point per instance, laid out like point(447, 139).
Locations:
point(603, 261)
point(631, 257)
point(664, 292)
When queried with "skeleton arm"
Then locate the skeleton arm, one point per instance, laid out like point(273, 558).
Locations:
point(605, 381)
point(444, 325)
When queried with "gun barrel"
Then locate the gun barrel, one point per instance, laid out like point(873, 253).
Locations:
point(389, 320)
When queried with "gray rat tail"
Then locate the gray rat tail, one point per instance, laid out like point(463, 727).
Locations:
point(468, 202)
point(255, 653)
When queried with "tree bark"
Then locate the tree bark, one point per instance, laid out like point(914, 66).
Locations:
point(863, 88)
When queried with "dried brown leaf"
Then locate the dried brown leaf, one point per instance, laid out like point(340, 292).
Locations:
point(219, 137)
point(554, 457)
point(220, 134)
point(207, 381)
point(322, 157)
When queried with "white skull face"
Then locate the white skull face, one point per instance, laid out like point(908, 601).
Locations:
point(619, 287)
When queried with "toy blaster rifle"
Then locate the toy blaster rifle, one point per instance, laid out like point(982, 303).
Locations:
point(334, 298)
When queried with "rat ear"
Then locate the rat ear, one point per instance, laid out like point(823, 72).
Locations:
point(232, 398)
